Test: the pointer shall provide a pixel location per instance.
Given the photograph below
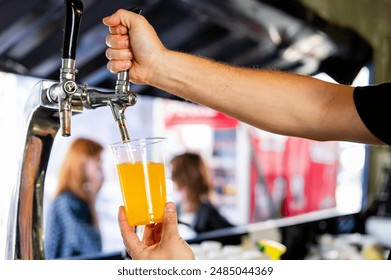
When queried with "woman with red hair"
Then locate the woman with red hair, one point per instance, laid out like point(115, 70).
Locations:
point(72, 224)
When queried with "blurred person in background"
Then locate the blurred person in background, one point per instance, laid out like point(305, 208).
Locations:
point(72, 224)
point(191, 178)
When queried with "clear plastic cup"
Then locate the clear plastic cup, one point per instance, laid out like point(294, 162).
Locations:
point(141, 171)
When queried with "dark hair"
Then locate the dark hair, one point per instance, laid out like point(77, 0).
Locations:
point(190, 171)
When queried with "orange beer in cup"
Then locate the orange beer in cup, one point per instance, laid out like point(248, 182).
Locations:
point(140, 167)
point(143, 188)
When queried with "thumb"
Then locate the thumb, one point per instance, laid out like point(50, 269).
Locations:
point(170, 225)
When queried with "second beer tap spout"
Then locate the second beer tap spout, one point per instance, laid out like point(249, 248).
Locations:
point(118, 101)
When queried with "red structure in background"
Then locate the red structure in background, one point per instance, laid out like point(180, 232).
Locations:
point(291, 176)
point(180, 114)
point(288, 175)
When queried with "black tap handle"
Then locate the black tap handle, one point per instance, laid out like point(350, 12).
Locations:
point(73, 13)
point(135, 10)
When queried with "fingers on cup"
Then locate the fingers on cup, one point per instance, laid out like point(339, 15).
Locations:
point(131, 241)
point(148, 238)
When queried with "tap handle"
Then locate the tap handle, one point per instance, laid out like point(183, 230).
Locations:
point(74, 10)
point(135, 10)
point(122, 84)
point(122, 87)
point(67, 86)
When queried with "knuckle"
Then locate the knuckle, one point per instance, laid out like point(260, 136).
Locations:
point(170, 219)
point(121, 11)
point(122, 30)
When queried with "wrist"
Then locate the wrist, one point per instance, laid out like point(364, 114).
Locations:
point(160, 68)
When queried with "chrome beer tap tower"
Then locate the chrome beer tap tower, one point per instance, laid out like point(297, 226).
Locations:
point(49, 108)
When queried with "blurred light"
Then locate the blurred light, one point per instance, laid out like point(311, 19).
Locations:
point(197, 136)
point(313, 47)
point(353, 159)
point(362, 78)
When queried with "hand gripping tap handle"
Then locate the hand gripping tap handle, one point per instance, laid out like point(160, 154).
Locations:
point(123, 86)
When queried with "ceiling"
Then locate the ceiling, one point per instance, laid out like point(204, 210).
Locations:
point(273, 34)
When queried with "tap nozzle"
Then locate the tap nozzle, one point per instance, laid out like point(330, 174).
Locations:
point(122, 87)
point(65, 111)
point(119, 117)
point(65, 90)
point(68, 88)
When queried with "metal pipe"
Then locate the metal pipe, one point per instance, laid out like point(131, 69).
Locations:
point(25, 227)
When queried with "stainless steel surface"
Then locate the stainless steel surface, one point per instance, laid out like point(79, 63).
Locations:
point(25, 234)
point(25, 231)
point(122, 86)
point(122, 83)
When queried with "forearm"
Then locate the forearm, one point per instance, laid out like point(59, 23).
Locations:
point(279, 102)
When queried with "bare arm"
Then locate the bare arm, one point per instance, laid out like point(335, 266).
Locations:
point(283, 103)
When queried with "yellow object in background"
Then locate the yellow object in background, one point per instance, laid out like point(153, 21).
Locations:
point(271, 248)
point(372, 252)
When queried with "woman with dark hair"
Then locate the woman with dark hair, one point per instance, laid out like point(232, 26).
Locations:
point(191, 178)
point(72, 223)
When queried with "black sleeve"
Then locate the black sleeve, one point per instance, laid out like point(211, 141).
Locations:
point(208, 218)
point(373, 105)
